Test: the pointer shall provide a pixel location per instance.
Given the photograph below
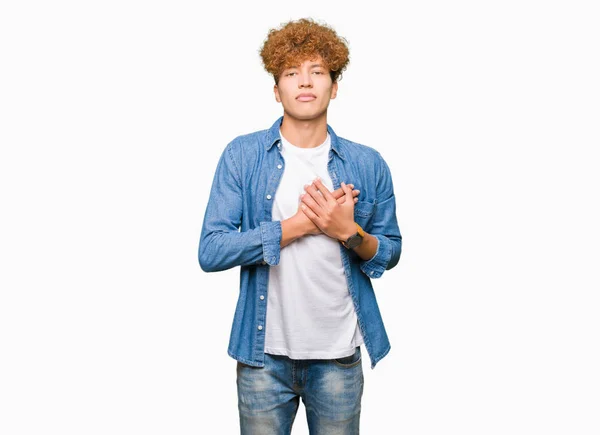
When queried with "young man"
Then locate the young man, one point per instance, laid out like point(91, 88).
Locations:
point(282, 207)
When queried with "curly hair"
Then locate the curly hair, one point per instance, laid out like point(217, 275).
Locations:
point(297, 41)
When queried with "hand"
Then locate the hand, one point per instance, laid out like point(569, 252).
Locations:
point(332, 218)
point(340, 197)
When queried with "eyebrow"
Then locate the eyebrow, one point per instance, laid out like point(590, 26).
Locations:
point(314, 65)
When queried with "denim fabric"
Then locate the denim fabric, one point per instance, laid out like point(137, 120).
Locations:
point(238, 230)
point(331, 391)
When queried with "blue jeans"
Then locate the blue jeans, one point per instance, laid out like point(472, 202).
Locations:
point(331, 390)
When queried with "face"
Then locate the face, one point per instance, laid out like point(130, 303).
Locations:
point(305, 90)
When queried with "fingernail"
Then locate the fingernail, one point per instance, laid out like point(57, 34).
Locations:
point(357, 191)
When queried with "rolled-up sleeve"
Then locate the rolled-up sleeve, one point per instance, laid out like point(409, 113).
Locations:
point(271, 240)
point(384, 226)
point(222, 245)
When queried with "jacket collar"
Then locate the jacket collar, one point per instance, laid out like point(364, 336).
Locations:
point(273, 137)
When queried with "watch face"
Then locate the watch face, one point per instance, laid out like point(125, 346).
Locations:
point(354, 241)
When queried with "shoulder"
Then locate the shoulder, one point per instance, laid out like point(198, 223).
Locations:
point(255, 139)
point(360, 153)
point(246, 152)
point(246, 146)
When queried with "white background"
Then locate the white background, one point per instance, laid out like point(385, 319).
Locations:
point(112, 117)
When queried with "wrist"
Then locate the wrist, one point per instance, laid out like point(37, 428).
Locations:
point(349, 232)
point(301, 226)
point(355, 239)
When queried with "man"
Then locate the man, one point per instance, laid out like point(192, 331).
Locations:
point(307, 243)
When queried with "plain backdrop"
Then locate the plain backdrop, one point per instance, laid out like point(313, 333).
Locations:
point(113, 115)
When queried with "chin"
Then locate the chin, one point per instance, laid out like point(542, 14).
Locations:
point(305, 116)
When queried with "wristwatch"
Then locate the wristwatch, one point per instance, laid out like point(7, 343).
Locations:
point(355, 239)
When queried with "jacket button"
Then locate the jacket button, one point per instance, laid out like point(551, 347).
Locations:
point(262, 297)
point(279, 166)
point(268, 196)
point(260, 327)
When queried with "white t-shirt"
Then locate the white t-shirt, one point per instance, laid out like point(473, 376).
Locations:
point(310, 314)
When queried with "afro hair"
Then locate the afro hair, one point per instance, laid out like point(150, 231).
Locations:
point(297, 41)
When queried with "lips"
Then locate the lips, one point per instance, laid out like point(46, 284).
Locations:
point(306, 97)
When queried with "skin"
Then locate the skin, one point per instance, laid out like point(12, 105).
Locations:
point(305, 122)
point(305, 125)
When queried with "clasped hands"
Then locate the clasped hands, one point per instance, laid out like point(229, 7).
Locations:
point(330, 213)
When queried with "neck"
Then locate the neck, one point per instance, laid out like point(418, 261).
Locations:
point(304, 133)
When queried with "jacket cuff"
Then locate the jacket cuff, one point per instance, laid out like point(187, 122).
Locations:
point(271, 241)
point(375, 267)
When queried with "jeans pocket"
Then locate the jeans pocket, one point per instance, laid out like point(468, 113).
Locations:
point(349, 361)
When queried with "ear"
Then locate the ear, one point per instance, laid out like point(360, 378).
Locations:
point(276, 91)
point(334, 88)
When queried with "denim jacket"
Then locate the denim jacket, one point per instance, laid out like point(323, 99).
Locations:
point(238, 230)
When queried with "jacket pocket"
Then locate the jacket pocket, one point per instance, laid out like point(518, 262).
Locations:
point(363, 212)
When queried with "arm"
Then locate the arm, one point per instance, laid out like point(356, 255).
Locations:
point(292, 229)
point(222, 246)
point(384, 243)
point(384, 227)
point(368, 248)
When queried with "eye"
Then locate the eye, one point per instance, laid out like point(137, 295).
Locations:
point(290, 74)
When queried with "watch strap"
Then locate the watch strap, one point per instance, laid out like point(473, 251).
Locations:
point(359, 232)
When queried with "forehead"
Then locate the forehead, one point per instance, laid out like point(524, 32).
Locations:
point(311, 61)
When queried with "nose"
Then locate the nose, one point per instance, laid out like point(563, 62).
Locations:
point(304, 80)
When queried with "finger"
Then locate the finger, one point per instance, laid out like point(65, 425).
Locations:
point(308, 201)
point(342, 198)
point(348, 191)
point(310, 214)
point(324, 190)
point(339, 192)
point(311, 189)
